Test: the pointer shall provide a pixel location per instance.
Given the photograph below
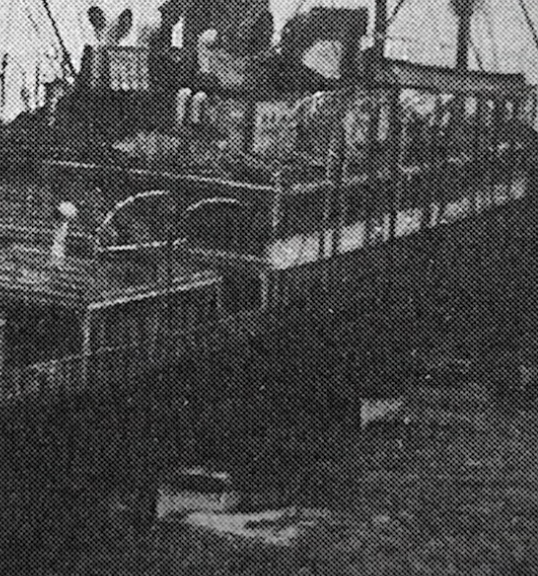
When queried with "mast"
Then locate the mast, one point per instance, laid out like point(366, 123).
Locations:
point(3, 79)
point(66, 57)
point(380, 33)
point(464, 36)
point(529, 22)
point(464, 10)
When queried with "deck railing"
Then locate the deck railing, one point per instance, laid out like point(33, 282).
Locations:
point(117, 368)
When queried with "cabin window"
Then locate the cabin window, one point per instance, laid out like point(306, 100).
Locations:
point(509, 109)
point(418, 110)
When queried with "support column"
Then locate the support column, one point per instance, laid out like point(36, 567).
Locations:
point(381, 27)
point(265, 290)
point(3, 327)
point(86, 348)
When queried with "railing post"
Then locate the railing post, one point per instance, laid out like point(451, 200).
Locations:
point(3, 324)
point(86, 347)
point(265, 290)
point(276, 209)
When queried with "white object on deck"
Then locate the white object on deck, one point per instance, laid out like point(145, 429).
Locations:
point(68, 211)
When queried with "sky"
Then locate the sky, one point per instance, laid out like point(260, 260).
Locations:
point(425, 30)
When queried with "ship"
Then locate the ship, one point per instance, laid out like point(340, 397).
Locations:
point(231, 202)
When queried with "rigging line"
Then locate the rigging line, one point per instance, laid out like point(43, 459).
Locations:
point(32, 20)
point(9, 24)
point(477, 55)
point(491, 36)
point(529, 21)
point(66, 57)
point(299, 7)
point(7, 59)
point(396, 12)
point(480, 45)
point(435, 25)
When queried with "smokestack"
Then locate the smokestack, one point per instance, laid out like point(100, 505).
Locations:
point(321, 24)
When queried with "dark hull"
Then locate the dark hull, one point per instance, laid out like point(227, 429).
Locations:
point(384, 308)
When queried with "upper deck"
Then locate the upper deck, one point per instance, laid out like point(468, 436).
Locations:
point(33, 276)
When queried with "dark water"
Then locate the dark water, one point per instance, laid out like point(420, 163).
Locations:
point(60, 471)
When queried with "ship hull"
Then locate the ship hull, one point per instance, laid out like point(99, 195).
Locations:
point(354, 323)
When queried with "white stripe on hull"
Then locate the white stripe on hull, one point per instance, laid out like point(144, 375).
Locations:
point(353, 237)
point(305, 249)
point(408, 222)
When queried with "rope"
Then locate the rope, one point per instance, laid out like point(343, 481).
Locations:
point(32, 20)
point(477, 55)
point(529, 22)
point(395, 12)
point(491, 35)
point(67, 62)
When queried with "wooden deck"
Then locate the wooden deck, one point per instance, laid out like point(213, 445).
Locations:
point(29, 275)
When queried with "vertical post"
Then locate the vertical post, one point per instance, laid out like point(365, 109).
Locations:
point(276, 208)
point(464, 11)
point(196, 19)
point(67, 62)
point(380, 34)
point(86, 347)
point(265, 290)
point(3, 326)
point(274, 281)
point(249, 126)
point(3, 79)
point(333, 200)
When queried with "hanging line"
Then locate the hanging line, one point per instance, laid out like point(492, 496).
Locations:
point(67, 62)
point(529, 21)
point(395, 12)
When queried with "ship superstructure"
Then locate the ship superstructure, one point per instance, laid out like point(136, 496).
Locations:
point(229, 184)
